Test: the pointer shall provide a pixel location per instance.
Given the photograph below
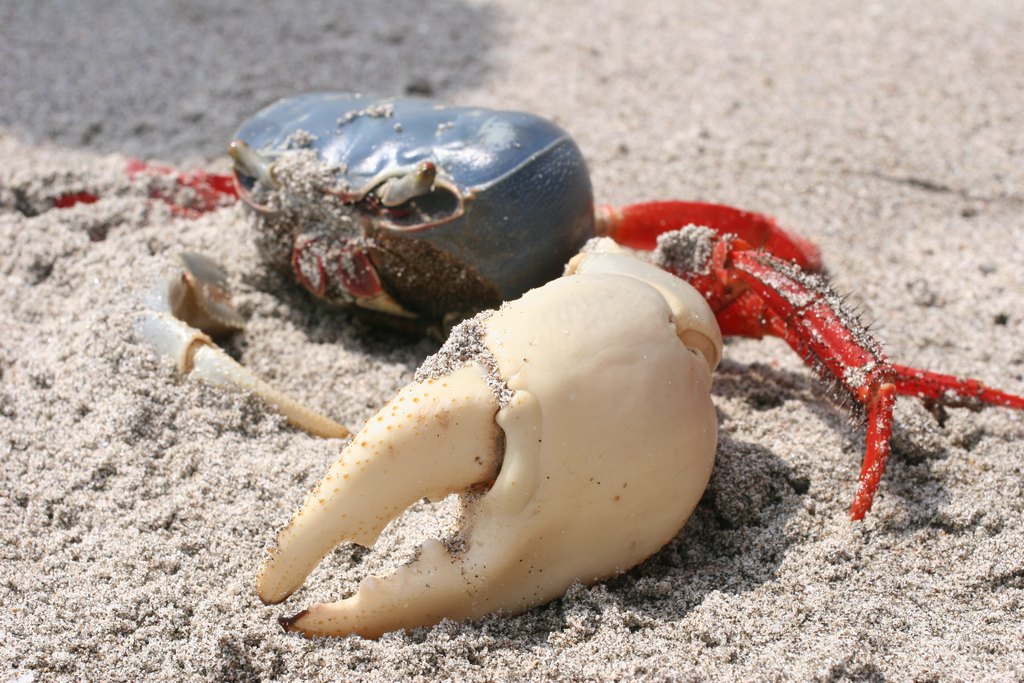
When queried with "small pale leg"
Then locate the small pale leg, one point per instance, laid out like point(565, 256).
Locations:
point(199, 297)
point(584, 406)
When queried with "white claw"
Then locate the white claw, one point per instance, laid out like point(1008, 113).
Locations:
point(194, 352)
point(436, 437)
point(600, 383)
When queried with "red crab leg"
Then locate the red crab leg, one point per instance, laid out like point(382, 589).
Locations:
point(204, 191)
point(755, 294)
point(782, 287)
point(189, 194)
point(949, 390)
point(817, 327)
point(638, 226)
point(65, 201)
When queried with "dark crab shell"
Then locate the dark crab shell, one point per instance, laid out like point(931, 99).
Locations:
point(519, 201)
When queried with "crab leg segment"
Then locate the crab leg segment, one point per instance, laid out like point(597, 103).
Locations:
point(189, 194)
point(832, 341)
point(949, 390)
point(755, 294)
point(197, 298)
point(194, 353)
point(638, 226)
point(66, 201)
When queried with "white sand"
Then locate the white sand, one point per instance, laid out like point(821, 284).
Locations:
point(137, 505)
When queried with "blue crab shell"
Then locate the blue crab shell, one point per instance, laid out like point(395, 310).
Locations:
point(516, 202)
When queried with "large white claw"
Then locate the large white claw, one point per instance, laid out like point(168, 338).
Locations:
point(600, 383)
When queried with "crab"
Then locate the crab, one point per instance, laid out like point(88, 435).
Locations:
point(421, 215)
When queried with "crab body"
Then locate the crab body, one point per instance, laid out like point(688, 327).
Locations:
point(425, 214)
point(411, 208)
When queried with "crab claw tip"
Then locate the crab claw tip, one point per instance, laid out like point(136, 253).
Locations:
point(287, 623)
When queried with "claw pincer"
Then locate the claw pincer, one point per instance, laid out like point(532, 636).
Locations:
point(584, 405)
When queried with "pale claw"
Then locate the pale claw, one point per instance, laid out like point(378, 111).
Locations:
point(435, 438)
point(603, 382)
point(198, 298)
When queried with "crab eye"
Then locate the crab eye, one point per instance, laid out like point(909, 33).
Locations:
point(439, 204)
point(409, 198)
point(413, 200)
point(250, 165)
point(399, 189)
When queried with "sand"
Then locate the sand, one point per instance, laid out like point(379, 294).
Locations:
point(137, 504)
